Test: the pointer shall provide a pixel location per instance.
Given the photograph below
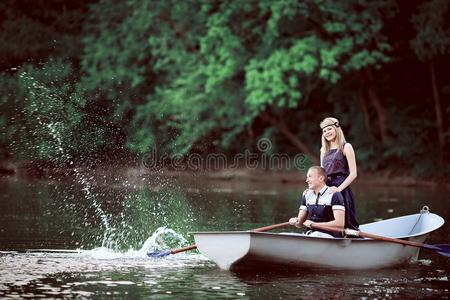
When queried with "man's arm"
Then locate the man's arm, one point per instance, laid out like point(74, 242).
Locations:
point(302, 214)
point(300, 219)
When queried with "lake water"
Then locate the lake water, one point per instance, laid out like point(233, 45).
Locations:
point(88, 237)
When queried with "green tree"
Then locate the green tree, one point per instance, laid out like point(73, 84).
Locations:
point(207, 71)
point(431, 41)
point(207, 76)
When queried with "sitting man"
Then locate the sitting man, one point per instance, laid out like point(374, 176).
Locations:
point(320, 205)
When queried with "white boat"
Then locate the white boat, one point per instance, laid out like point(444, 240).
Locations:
point(242, 249)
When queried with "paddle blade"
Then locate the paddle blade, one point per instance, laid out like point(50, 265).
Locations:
point(159, 254)
point(443, 249)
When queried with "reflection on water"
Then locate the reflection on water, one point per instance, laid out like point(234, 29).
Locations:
point(140, 218)
point(318, 283)
point(88, 274)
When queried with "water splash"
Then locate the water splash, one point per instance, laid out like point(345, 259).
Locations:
point(138, 215)
point(87, 190)
point(56, 132)
point(162, 239)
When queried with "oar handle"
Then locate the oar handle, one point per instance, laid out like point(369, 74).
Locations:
point(328, 228)
point(386, 239)
point(365, 235)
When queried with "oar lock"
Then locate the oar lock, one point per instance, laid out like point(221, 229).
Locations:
point(425, 210)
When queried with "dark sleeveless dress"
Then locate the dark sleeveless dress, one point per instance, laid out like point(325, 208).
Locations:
point(336, 166)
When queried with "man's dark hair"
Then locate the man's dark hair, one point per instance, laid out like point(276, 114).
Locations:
point(320, 171)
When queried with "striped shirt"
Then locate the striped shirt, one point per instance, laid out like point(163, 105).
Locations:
point(320, 206)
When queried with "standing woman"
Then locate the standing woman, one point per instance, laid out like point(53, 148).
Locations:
point(337, 157)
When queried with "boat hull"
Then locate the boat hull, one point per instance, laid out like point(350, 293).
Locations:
point(245, 248)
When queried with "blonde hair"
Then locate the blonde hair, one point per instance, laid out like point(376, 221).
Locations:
point(339, 135)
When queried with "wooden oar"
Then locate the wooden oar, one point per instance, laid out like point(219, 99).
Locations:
point(174, 251)
point(443, 249)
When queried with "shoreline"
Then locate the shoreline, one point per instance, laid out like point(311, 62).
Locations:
point(257, 176)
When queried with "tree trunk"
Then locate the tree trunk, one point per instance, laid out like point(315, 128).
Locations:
point(438, 111)
point(376, 102)
point(365, 111)
point(282, 127)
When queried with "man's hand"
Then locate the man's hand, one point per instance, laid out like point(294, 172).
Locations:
point(308, 224)
point(294, 222)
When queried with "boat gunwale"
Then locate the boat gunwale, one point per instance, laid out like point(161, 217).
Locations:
point(298, 235)
point(295, 234)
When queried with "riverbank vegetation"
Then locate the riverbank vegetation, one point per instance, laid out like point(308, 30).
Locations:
point(108, 79)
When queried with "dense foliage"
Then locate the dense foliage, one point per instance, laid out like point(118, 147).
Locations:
point(204, 76)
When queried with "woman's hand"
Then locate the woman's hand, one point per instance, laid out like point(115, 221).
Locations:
point(334, 189)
